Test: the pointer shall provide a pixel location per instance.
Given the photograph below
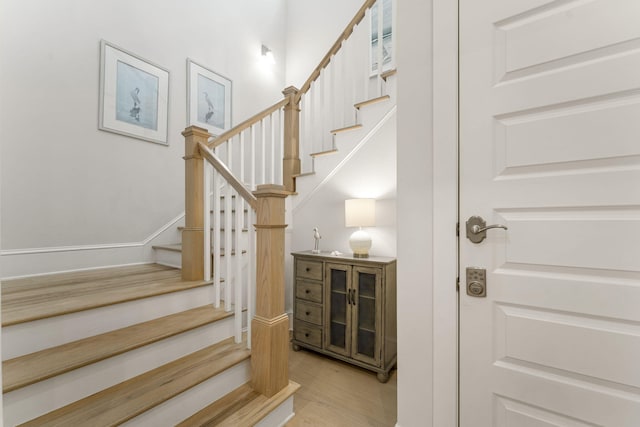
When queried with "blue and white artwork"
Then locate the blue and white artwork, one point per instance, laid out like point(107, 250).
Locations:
point(136, 96)
point(211, 102)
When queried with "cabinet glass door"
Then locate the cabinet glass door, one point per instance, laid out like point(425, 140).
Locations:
point(338, 308)
point(366, 314)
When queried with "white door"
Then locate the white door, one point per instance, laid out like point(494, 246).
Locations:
point(550, 148)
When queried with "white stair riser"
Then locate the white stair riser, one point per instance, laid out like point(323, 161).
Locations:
point(167, 257)
point(173, 258)
point(279, 416)
point(38, 399)
point(193, 400)
point(30, 337)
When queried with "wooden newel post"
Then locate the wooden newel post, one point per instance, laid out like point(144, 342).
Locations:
point(291, 158)
point(270, 326)
point(193, 233)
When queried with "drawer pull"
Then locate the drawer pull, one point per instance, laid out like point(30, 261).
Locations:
point(306, 335)
point(306, 291)
point(307, 269)
point(307, 313)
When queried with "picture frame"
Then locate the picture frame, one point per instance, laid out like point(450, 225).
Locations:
point(208, 99)
point(134, 95)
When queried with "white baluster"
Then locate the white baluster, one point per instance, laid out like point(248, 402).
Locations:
point(208, 178)
point(228, 226)
point(237, 280)
point(281, 146)
point(251, 275)
point(263, 150)
point(216, 237)
point(253, 157)
point(273, 148)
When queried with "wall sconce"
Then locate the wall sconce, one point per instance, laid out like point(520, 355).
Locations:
point(267, 54)
point(360, 213)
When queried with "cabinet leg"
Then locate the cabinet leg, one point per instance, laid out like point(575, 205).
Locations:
point(383, 377)
point(296, 347)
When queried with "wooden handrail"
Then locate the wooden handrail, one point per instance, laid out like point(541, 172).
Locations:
point(335, 48)
point(226, 173)
point(247, 123)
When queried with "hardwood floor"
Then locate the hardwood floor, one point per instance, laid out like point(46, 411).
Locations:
point(337, 394)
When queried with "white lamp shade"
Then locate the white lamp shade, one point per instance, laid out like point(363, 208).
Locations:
point(360, 212)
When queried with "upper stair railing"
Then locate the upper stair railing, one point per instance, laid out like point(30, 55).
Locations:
point(253, 178)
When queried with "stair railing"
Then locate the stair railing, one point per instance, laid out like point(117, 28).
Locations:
point(305, 122)
point(268, 328)
point(251, 173)
point(351, 72)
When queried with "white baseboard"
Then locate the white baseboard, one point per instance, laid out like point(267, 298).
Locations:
point(38, 261)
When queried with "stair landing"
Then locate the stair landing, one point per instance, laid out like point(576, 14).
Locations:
point(40, 297)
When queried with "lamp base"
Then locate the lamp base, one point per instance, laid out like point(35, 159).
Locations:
point(360, 243)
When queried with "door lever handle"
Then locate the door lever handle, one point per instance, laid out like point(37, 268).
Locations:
point(477, 228)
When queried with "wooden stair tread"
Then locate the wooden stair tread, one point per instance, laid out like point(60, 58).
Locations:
point(388, 74)
point(97, 289)
point(130, 398)
point(372, 101)
point(177, 247)
point(323, 153)
point(242, 407)
point(31, 368)
point(346, 129)
point(56, 279)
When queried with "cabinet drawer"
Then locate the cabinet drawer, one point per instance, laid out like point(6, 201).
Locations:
point(309, 291)
point(309, 269)
point(309, 312)
point(306, 333)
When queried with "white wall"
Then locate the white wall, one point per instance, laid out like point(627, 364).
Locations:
point(312, 28)
point(427, 213)
point(370, 173)
point(64, 182)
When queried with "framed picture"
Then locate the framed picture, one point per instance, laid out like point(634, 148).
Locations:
point(208, 99)
point(134, 95)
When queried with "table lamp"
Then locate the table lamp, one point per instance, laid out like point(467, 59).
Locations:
point(360, 213)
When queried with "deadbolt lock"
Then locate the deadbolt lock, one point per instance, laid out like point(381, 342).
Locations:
point(476, 282)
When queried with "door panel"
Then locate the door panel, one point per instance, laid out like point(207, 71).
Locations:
point(550, 147)
point(367, 315)
point(338, 309)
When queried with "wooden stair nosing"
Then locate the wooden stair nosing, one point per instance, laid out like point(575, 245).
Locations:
point(242, 407)
point(64, 279)
point(31, 368)
point(29, 311)
point(299, 175)
point(372, 101)
point(346, 129)
point(124, 401)
point(324, 153)
point(388, 74)
point(45, 293)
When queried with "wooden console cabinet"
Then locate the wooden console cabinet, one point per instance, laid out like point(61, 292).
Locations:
point(345, 307)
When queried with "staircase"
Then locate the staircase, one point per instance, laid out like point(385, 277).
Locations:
point(131, 344)
point(200, 337)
